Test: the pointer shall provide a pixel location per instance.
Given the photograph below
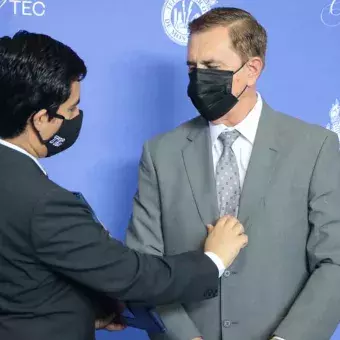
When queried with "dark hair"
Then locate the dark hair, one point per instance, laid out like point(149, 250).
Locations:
point(36, 72)
point(248, 37)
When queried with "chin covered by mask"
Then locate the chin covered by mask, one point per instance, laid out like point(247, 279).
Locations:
point(210, 91)
point(65, 137)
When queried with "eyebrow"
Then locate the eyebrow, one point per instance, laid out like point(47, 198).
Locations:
point(207, 63)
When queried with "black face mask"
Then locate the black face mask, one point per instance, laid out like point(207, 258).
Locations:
point(65, 137)
point(210, 92)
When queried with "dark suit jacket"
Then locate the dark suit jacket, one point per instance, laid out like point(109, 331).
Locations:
point(55, 259)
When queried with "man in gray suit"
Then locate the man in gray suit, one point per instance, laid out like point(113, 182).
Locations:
point(279, 175)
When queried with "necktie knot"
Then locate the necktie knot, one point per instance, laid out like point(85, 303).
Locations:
point(228, 138)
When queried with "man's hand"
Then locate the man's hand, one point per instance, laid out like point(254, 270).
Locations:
point(226, 239)
point(110, 323)
point(109, 317)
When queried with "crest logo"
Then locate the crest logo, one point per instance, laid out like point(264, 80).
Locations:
point(330, 14)
point(177, 14)
point(334, 116)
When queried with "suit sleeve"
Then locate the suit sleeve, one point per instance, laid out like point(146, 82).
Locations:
point(68, 241)
point(316, 312)
point(145, 234)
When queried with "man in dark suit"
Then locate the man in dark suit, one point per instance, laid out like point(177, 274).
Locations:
point(56, 261)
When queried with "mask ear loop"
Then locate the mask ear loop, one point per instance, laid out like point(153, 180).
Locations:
point(246, 85)
point(240, 68)
point(51, 114)
point(56, 115)
point(242, 92)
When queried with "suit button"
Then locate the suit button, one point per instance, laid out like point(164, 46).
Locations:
point(226, 323)
point(226, 273)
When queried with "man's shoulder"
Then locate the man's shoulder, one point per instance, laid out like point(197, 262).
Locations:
point(22, 176)
point(296, 127)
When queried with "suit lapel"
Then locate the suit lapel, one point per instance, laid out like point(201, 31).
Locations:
point(261, 167)
point(199, 169)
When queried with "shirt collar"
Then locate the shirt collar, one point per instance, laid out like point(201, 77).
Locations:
point(19, 149)
point(247, 127)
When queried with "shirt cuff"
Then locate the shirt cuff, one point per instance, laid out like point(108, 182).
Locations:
point(277, 338)
point(218, 262)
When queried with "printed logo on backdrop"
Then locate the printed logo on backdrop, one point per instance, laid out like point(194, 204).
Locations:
point(330, 14)
point(25, 7)
point(177, 14)
point(334, 117)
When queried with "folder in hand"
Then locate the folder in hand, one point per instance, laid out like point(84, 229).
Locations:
point(143, 318)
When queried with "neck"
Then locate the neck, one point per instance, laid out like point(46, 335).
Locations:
point(240, 111)
point(22, 142)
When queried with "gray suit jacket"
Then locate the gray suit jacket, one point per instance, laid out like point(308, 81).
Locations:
point(287, 280)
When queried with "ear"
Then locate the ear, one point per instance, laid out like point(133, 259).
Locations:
point(254, 67)
point(40, 117)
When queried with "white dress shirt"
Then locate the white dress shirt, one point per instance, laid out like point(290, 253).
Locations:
point(243, 145)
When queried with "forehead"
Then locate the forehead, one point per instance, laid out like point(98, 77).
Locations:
point(210, 44)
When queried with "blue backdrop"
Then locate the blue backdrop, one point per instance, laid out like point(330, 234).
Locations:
point(136, 87)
